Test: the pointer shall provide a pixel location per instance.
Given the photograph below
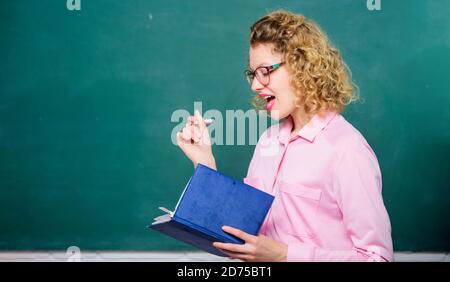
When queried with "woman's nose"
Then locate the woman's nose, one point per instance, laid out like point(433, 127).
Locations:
point(256, 85)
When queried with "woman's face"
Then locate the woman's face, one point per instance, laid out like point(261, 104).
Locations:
point(279, 86)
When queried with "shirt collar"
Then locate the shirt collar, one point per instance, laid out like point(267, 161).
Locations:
point(309, 131)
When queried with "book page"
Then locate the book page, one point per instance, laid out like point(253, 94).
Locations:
point(179, 200)
point(169, 214)
point(162, 218)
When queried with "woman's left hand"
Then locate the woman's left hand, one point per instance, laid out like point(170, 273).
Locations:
point(256, 248)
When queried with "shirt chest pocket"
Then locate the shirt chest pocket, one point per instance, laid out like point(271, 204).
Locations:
point(296, 208)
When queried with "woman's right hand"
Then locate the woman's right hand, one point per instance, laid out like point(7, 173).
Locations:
point(194, 141)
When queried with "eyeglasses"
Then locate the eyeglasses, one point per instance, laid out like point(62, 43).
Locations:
point(262, 74)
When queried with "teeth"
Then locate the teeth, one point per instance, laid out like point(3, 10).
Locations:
point(268, 97)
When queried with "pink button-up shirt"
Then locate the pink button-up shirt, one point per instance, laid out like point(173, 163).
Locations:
point(327, 186)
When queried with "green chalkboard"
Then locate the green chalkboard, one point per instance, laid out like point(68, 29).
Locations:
point(86, 99)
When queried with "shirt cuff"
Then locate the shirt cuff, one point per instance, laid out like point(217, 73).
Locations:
point(300, 252)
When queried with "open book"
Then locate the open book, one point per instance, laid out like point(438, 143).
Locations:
point(209, 201)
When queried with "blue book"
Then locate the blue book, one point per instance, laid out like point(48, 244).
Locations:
point(209, 201)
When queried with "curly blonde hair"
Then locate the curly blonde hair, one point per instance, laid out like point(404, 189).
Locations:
point(320, 78)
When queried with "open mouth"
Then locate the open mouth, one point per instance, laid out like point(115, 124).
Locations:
point(270, 101)
point(269, 98)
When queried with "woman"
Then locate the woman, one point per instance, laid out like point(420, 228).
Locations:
point(325, 177)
